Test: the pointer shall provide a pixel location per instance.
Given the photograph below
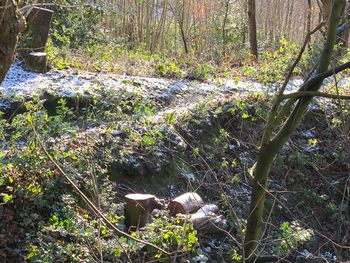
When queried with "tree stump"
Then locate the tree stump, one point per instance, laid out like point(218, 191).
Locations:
point(138, 209)
point(185, 204)
point(37, 62)
point(39, 23)
point(38, 27)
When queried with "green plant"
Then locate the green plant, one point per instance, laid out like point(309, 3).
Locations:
point(171, 234)
point(169, 70)
point(291, 236)
point(202, 72)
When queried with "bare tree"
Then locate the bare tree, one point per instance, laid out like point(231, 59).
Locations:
point(252, 29)
point(290, 114)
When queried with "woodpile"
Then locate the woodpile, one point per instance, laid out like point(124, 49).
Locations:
point(185, 204)
point(205, 218)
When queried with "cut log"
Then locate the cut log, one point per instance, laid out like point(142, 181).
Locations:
point(138, 209)
point(185, 204)
point(37, 62)
point(39, 23)
point(206, 220)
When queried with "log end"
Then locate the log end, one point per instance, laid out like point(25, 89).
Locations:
point(37, 62)
point(185, 204)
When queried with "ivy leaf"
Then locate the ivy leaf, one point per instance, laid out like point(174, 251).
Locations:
point(10, 179)
point(245, 116)
point(6, 198)
point(29, 119)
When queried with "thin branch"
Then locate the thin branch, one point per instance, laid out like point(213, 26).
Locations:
point(301, 52)
point(314, 80)
point(272, 119)
point(320, 77)
point(300, 94)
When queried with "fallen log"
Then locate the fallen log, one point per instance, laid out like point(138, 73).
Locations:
point(185, 204)
point(206, 220)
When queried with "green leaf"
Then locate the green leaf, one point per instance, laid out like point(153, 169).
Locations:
point(29, 119)
point(10, 179)
point(103, 230)
point(245, 116)
point(6, 198)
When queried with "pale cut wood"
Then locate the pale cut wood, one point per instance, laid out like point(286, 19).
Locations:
point(206, 220)
point(186, 203)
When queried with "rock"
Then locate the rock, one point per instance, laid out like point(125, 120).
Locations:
point(185, 204)
point(188, 176)
point(169, 95)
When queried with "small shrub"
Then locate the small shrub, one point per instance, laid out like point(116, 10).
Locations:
point(168, 70)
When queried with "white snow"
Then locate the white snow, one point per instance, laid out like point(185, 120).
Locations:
point(20, 82)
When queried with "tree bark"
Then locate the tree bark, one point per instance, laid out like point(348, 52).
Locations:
point(270, 147)
point(11, 24)
point(326, 9)
point(252, 29)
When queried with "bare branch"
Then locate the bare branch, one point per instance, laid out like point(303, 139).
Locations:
point(300, 94)
point(320, 77)
point(301, 52)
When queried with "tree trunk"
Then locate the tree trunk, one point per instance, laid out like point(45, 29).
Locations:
point(344, 36)
point(270, 147)
point(326, 9)
point(252, 29)
point(182, 25)
point(224, 24)
point(11, 24)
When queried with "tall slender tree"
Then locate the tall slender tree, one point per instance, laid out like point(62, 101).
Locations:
point(292, 112)
point(252, 29)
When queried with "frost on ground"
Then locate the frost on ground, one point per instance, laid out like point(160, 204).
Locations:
point(71, 83)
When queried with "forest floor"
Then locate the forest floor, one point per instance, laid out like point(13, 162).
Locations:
point(163, 137)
